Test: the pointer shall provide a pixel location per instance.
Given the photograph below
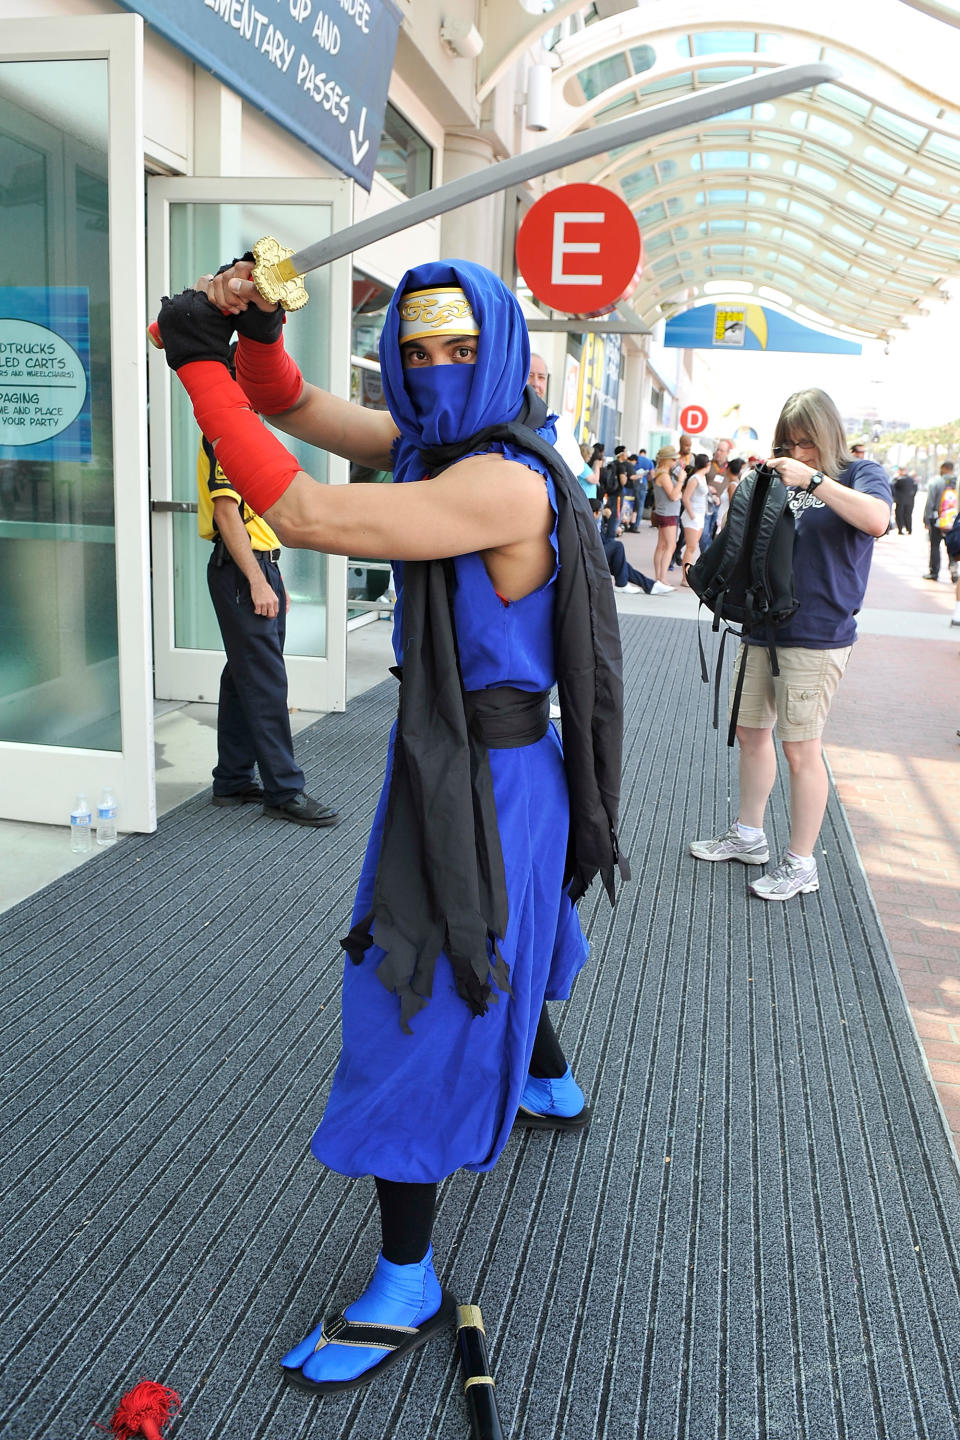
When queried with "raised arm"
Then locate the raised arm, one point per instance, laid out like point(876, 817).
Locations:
point(484, 503)
point(864, 512)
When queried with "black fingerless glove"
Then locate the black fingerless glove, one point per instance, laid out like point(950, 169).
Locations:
point(264, 326)
point(193, 329)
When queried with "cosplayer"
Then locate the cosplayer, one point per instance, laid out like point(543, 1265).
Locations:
point(487, 830)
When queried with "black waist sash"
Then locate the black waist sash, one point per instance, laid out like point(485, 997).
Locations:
point(505, 718)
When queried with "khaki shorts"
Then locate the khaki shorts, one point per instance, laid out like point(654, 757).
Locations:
point(797, 700)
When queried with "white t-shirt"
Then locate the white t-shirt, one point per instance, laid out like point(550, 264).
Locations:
point(566, 444)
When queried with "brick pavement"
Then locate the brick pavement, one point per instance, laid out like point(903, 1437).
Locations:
point(895, 756)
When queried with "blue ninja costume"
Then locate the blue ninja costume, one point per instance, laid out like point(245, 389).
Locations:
point(417, 1103)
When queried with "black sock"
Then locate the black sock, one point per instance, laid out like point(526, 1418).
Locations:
point(406, 1219)
point(547, 1061)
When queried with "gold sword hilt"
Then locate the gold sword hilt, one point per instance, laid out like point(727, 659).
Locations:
point(275, 277)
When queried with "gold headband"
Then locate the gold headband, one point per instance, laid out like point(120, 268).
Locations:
point(442, 311)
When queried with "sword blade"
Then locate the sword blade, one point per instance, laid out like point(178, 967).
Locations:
point(671, 115)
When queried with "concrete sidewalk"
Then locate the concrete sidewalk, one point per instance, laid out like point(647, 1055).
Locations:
point(893, 749)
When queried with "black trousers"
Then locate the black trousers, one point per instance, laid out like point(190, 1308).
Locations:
point(904, 516)
point(253, 723)
point(407, 1209)
point(936, 538)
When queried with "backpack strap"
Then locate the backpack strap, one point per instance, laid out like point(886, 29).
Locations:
point(775, 501)
point(735, 528)
point(704, 672)
point(738, 691)
point(772, 647)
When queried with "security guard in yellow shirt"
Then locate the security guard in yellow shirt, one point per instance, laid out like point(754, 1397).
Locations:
point(253, 722)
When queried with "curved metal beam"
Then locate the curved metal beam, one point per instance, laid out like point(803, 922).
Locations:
point(507, 57)
point(936, 11)
point(838, 27)
point(788, 188)
point(650, 306)
point(862, 311)
point(713, 141)
point(762, 237)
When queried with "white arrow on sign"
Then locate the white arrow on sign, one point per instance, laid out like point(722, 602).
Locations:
point(359, 150)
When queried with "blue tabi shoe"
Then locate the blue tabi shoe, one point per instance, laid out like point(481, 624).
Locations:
point(553, 1104)
point(401, 1308)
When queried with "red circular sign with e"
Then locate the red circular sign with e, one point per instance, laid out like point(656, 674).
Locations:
point(579, 249)
point(693, 419)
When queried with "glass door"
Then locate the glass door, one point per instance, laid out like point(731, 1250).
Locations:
point(76, 709)
point(194, 226)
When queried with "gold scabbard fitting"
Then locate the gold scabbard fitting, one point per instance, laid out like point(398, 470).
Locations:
point(275, 277)
point(469, 1315)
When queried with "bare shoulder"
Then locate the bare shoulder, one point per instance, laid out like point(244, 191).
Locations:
point(494, 478)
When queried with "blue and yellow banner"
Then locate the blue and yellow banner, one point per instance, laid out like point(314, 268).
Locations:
point(750, 327)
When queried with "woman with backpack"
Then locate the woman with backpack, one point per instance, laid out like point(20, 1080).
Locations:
point(667, 490)
point(841, 505)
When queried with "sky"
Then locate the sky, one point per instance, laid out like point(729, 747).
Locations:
point(916, 381)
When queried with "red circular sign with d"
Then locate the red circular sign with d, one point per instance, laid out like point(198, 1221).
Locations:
point(579, 249)
point(693, 419)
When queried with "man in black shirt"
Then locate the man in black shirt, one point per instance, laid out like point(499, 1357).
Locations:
point(904, 487)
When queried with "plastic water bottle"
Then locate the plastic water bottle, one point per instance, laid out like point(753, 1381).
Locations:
point(81, 827)
point(107, 818)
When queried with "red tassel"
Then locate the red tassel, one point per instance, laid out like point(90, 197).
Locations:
point(145, 1411)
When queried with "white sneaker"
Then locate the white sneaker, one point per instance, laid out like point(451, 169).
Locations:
point(732, 846)
point(791, 877)
point(630, 589)
point(660, 589)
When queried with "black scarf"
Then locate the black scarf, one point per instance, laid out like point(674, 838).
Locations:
point(440, 882)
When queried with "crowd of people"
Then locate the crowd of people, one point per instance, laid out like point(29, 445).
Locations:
point(687, 495)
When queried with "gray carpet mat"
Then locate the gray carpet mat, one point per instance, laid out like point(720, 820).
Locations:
point(757, 1237)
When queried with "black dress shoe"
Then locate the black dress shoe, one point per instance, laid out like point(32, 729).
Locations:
point(251, 794)
point(303, 810)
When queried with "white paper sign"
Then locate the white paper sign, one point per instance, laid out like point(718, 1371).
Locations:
point(42, 383)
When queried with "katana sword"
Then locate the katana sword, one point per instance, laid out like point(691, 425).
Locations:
point(278, 272)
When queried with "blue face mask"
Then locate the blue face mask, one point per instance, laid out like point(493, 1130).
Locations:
point(439, 394)
point(442, 404)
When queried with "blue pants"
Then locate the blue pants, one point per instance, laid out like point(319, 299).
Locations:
point(253, 723)
point(641, 501)
point(621, 569)
point(709, 527)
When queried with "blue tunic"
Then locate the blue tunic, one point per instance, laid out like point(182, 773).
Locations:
point(417, 1107)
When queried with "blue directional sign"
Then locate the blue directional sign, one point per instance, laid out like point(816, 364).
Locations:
point(750, 327)
point(320, 68)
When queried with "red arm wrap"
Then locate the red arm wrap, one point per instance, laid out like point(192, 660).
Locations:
point(253, 459)
point(269, 377)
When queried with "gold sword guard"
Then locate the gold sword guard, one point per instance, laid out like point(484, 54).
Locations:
point(275, 277)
